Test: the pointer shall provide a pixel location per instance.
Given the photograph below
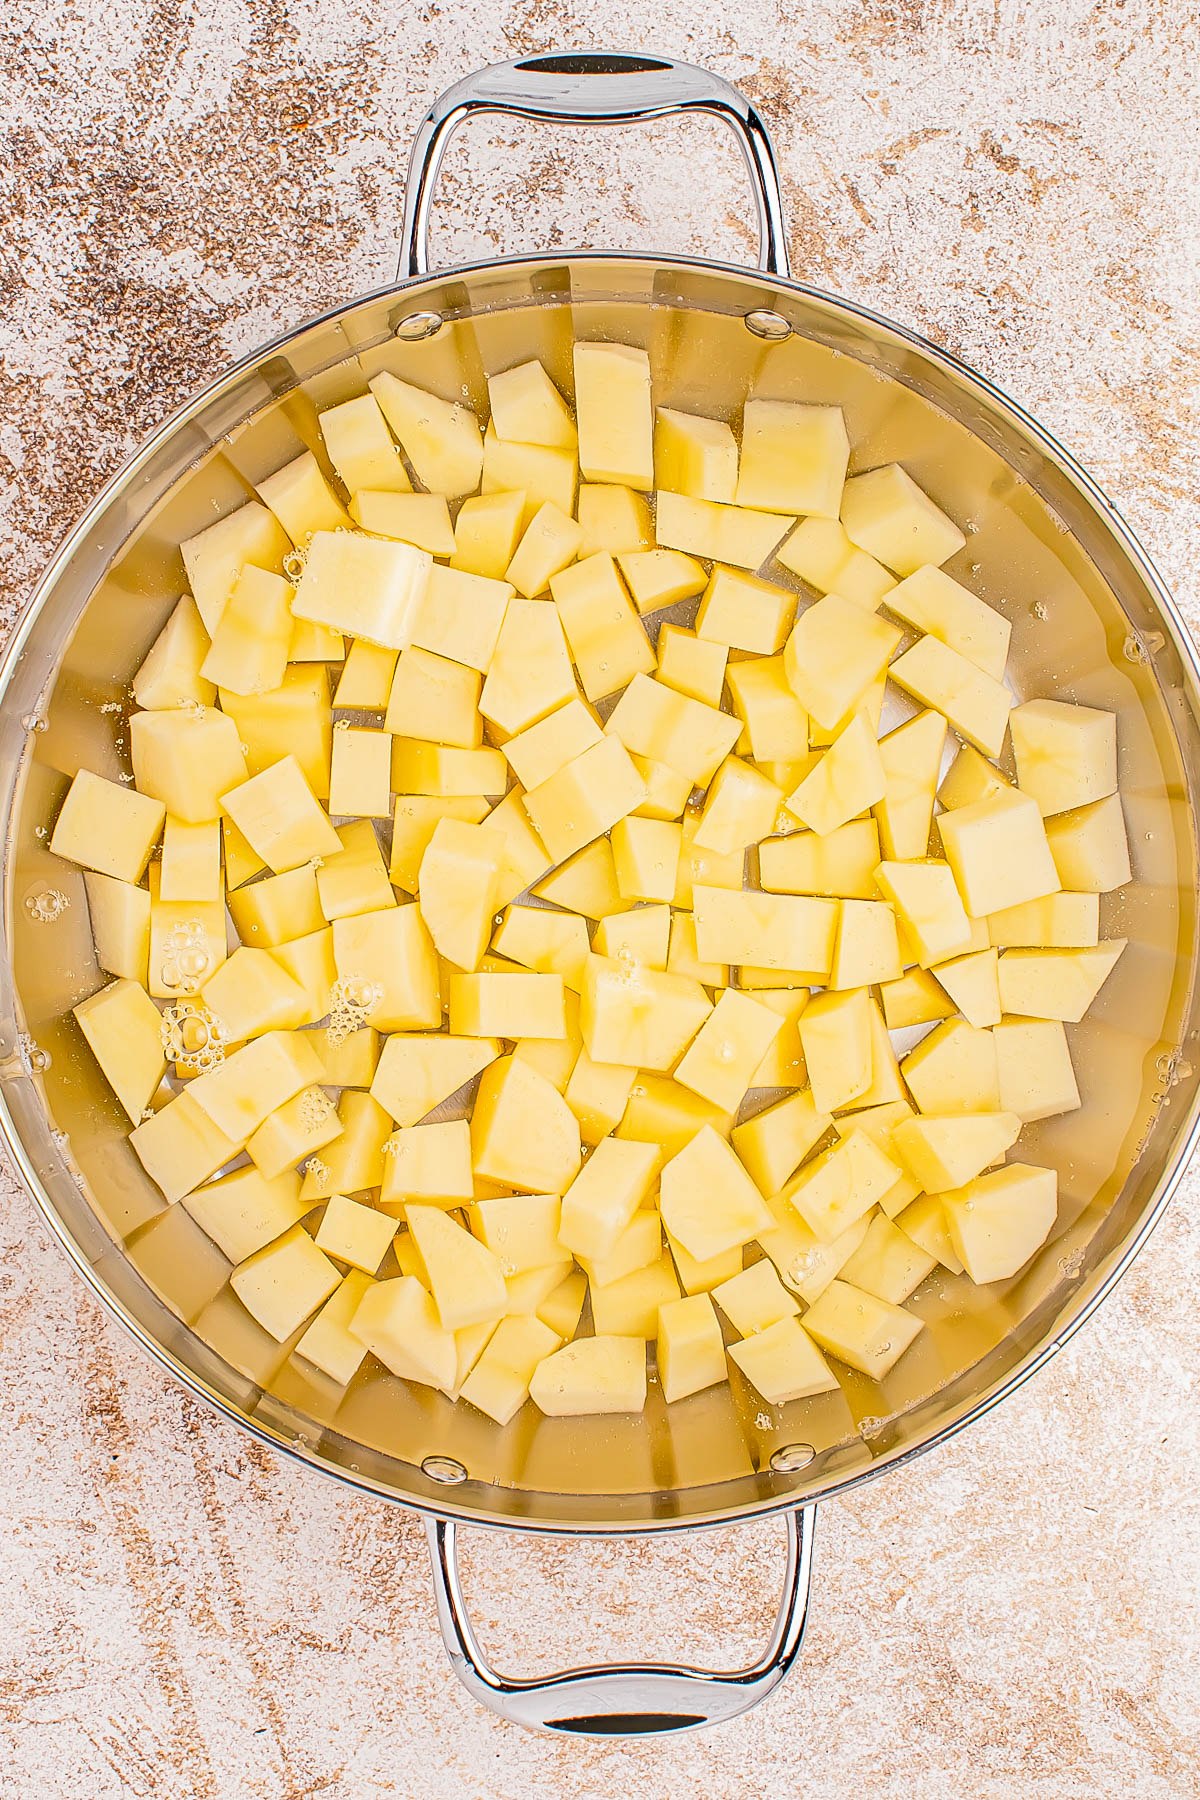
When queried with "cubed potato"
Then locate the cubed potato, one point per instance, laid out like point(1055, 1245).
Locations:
point(848, 780)
point(925, 1223)
point(543, 749)
point(836, 650)
point(1036, 1075)
point(683, 958)
point(774, 1143)
point(349, 1061)
point(946, 1151)
point(667, 793)
point(398, 1322)
point(302, 1125)
point(592, 1375)
point(242, 1212)
point(822, 555)
point(641, 936)
point(598, 1093)
point(691, 664)
point(932, 601)
point(278, 813)
point(250, 645)
point(783, 1363)
point(702, 1277)
point(498, 1384)
point(250, 1084)
point(389, 956)
point(509, 1006)
point(970, 777)
point(636, 1247)
point(521, 1230)
point(431, 1163)
point(216, 556)
point(444, 771)
point(283, 1284)
point(311, 643)
point(705, 867)
point(435, 699)
point(691, 738)
point(119, 914)
point(441, 438)
point(953, 1070)
point(976, 704)
point(354, 880)
point(106, 827)
point(465, 1277)
point(691, 1350)
point(278, 909)
point(866, 951)
point(778, 931)
point(1090, 846)
point(646, 858)
point(918, 998)
point(911, 757)
point(998, 852)
point(658, 578)
point(328, 1342)
point(841, 863)
point(551, 943)
point(755, 1299)
point(310, 962)
point(1066, 755)
point(721, 1059)
point(360, 778)
point(878, 1120)
point(1055, 922)
point(540, 472)
point(415, 820)
point(418, 1070)
point(486, 534)
point(888, 1263)
point(629, 1306)
point(638, 1017)
point(552, 1057)
point(190, 867)
point(460, 615)
point(586, 883)
point(1056, 984)
point(187, 942)
point(928, 904)
point(612, 519)
point(360, 447)
point(694, 455)
point(527, 407)
point(793, 457)
point(745, 613)
point(841, 1185)
point(740, 808)
point(998, 1221)
point(459, 888)
point(355, 1234)
point(805, 1264)
point(353, 1161)
point(368, 587)
point(563, 1305)
point(736, 535)
point(294, 719)
point(888, 515)
point(530, 673)
point(522, 1131)
point(869, 1334)
point(550, 541)
point(122, 1026)
point(708, 1201)
point(249, 994)
point(186, 760)
point(169, 675)
point(585, 798)
point(973, 983)
point(614, 414)
point(775, 722)
point(662, 1113)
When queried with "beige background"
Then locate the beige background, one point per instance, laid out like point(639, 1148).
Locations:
point(181, 1615)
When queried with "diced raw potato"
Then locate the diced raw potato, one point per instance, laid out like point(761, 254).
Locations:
point(360, 773)
point(879, 1120)
point(184, 759)
point(361, 449)
point(417, 1071)
point(682, 957)
point(398, 1322)
point(586, 883)
point(542, 749)
point(1056, 984)
point(918, 998)
point(540, 472)
point(775, 1142)
point(638, 1017)
point(842, 1184)
point(973, 983)
point(888, 1263)
point(708, 1201)
point(701, 1277)
point(106, 827)
point(805, 1264)
point(250, 1084)
point(441, 438)
point(822, 555)
point(998, 1221)
point(354, 880)
point(691, 1350)
point(122, 1026)
point(636, 1247)
point(953, 1070)
point(836, 650)
point(971, 777)
point(349, 1061)
point(302, 500)
point(866, 950)
point(929, 906)
point(694, 455)
point(998, 852)
point(354, 1160)
point(911, 757)
point(608, 643)
point(870, 707)
point(667, 793)
point(368, 587)
point(216, 556)
point(187, 942)
point(486, 534)
point(460, 616)
point(835, 1033)
point(783, 1363)
point(459, 887)
point(243, 1211)
point(741, 807)
point(551, 540)
point(553, 1057)
point(292, 720)
point(705, 867)
point(241, 860)
point(499, 1382)
point(315, 643)
point(925, 1223)
point(629, 1306)
point(465, 1277)
point(249, 648)
point(598, 1093)
point(250, 994)
point(416, 819)
point(975, 704)
point(1066, 755)
point(692, 665)
point(562, 1307)
point(724, 534)
point(190, 868)
point(310, 962)
point(646, 858)
point(640, 936)
point(662, 1113)
point(776, 723)
point(614, 414)
point(170, 672)
point(552, 943)
point(886, 1084)
point(528, 408)
point(730, 1045)
point(522, 1131)
point(592, 1375)
point(120, 919)
point(745, 613)
point(521, 1230)
point(688, 736)
point(781, 931)
point(303, 1124)
point(278, 909)
point(328, 1342)
point(278, 813)
point(869, 1334)
point(613, 519)
point(585, 798)
point(755, 1299)
point(932, 601)
point(387, 957)
point(283, 1284)
point(431, 1163)
point(889, 516)
point(946, 1151)
point(1033, 1060)
point(434, 699)
point(847, 780)
point(658, 578)
point(509, 1006)
point(793, 457)
point(354, 1233)
point(530, 673)
point(1090, 846)
point(1058, 922)
point(445, 771)
point(841, 863)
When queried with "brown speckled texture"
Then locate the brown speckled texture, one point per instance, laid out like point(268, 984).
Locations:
point(181, 1615)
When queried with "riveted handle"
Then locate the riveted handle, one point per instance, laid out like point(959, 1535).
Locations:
point(624, 1699)
point(592, 87)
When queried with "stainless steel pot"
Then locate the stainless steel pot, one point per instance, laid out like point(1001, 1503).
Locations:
point(1092, 622)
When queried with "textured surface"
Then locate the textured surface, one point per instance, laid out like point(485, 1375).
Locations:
point(180, 1614)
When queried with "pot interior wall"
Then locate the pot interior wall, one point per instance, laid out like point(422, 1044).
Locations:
point(1085, 627)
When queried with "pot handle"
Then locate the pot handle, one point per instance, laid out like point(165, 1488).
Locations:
point(592, 87)
point(624, 1699)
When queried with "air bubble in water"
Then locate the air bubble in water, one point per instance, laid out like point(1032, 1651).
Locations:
point(195, 709)
point(47, 906)
point(1038, 609)
point(35, 1059)
point(192, 1038)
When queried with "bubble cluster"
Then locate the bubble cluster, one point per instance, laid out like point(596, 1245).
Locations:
point(195, 709)
point(316, 1108)
point(192, 1038)
point(351, 1001)
point(293, 564)
point(35, 1059)
point(317, 1169)
point(47, 906)
point(186, 958)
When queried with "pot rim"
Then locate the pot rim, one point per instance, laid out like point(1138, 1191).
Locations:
point(1188, 1131)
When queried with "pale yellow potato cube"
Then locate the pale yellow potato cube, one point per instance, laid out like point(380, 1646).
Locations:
point(837, 1187)
point(187, 942)
point(1066, 755)
point(294, 719)
point(283, 1284)
point(328, 1342)
point(416, 819)
point(434, 699)
point(1056, 984)
point(658, 578)
point(1033, 1062)
point(526, 857)
point(302, 1125)
point(629, 1306)
point(250, 994)
point(720, 1062)
point(745, 613)
point(368, 587)
point(646, 858)
point(360, 447)
point(835, 652)
point(528, 1292)
point(931, 601)
point(701, 1277)
point(918, 998)
point(835, 1031)
point(190, 868)
point(360, 780)
point(123, 1029)
point(387, 958)
point(879, 1119)
point(740, 807)
point(870, 707)
point(708, 1201)
point(498, 1385)
point(541, 750)
point(925, 1223)
point(302, 500)
point(523, 1132)
point(585, 798)
point(349, 1061)
point(998, 852)
point(446, 771)
point(586, 883)
point(613, 519)
point(216, 556)
point(592, 1375)
point(354, 1160)
point(119, 914)
point(417, 1071)
point(540, 472)
point(278, 909)
point(527, 407)
point(755, 1299)
point(779, 931)
point(726, 534)
point(640, 936)
point(521, 1230)
point(638, 1017)
point(398, 1322)
point(805, 1264)
point(486, 534)
point(783, 1363)
point(548, 942)
point(911, 757)
point(430, 1163)
point(169, 674)
point(692, 665)
point(252, 638)
point(888, 515)
point(822, 555)
point(460, 617)
point(563, 1305)
point(682, 956)
point(188, 761)
point(465, 1277)
point(953, 1070)
point(278, 813)
point(866, 951)
point(354, 1233)
point(459, 888)
point(662, 1113)
point(794, 457)
point(840, 864)
point(550, 541)
point(927, 901)
point(774, 1143)
point(607, 640)
point(1090, 846)
point(869, 1334)
point(655, 721)
point(973, 984)
point(636, 1247)
point(847, 780)
point(946, 1151)
point(354, 880)
point(614, 414)
point(309, 960)
point(441, 438)
point(776, 725)
point(243, 1211)
point(997, 1222)
point(971, 777)
point(976, 704)
point(888, 1263)
point(886, 1084)
point(552, 1057)
point(694, 455)
point(691, 1350)
point(508, 1006)
point(705, 868)
point(1057, 921)
point(783, 1065)
point(530, 673)
point(315, 643)
point(598, 1093)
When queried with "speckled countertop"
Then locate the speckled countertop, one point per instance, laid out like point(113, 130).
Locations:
point(181, 1615)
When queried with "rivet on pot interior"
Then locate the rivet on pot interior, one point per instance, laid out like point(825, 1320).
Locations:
point(790, 1457)
point(418, 325)
point(766, 324)
point(446, 1469)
